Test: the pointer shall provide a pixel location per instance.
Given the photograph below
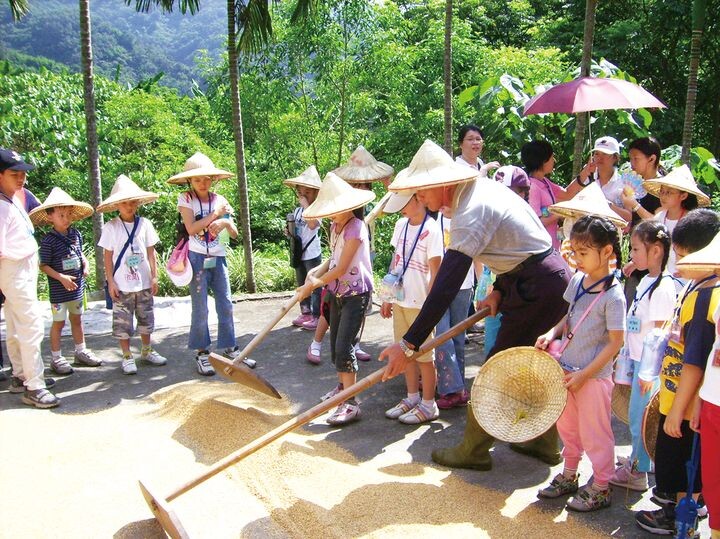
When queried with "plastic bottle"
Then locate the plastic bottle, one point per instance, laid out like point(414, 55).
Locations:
point(653, 352)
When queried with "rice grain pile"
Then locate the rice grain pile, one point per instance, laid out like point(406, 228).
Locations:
point(76, 476)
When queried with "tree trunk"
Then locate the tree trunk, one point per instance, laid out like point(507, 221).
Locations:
point(581, 119)
point(91, 133)
point(698, 18)
point(239, 148)
point(447, 77)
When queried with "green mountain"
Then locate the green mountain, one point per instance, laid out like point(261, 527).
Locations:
point(127, 46)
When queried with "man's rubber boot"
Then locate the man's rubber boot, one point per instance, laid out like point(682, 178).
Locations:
point(544, 447)
point(473, 452)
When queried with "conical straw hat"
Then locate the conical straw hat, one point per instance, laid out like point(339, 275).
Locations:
point(431, 167)
point(705, 259)
point(124, 190)
point(199, 164)
point(59, 198)
point(679, 178)
point(650, 423)
point(363, 167)
point(518, 394)
point(620, 402)
point(589, 201)
point(309, 178)
point(336, 196)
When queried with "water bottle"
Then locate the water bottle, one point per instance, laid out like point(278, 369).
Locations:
point(224, 236)
point(290, 224)
point(653, 353)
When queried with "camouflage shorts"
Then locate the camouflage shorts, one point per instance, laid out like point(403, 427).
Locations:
point(139, 304)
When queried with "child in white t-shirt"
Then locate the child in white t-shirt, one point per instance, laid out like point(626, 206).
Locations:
point(418, 244)
point(131, 269)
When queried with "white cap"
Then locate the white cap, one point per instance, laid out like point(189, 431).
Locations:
point(607, 145)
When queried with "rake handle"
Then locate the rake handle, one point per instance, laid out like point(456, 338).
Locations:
point(319, 409)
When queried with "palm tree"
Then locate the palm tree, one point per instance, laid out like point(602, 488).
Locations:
point(581, 119)
point(253, 19)
point(447, 77)
point(91, 135)
point(698, 24)
point(19, 8)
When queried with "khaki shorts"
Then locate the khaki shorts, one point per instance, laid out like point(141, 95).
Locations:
point(61, 310)
point(403, 318)
point(137, 304)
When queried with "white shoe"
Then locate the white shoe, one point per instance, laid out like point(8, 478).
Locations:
point(203, 364)
point(153, 358)
point(60, 365)
point(128, 365)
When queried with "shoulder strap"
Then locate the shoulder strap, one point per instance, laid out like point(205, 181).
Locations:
point(572, 332)
point(127, 244)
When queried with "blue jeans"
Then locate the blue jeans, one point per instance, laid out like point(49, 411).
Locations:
point(450, 356)
point(311, 304)
point(217, 280)
point(636, 410)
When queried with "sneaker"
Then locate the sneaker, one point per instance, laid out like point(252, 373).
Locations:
point(152, 357)
point(3, 376)
point(40, 398)
point(203, 364)
point(87, 358)
point(478, 327)
point(559, 486)
point(627, 477)
point(128, 365)
point(345, 413)
point(313, 355)
point(330, 394)
point(233, 353)
point(300, 320)
point(660, 522)
point(18, 386)
point(663, 498)
point(60, 365)
point(311, 325)
point(401, 408)
point(588, 499)
point(420, 414)
point(361, 355)
point(453, 400)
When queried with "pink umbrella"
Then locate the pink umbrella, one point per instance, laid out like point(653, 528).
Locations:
point(591, 93)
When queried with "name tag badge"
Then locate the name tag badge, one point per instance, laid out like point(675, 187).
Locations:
point(716, 358)
point(133, 261)
point(675, 331)
point(633, 324)
point(71, 263)
point(209, 262)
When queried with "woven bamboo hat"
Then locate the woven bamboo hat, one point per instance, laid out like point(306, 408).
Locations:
point(125, 190)
point(679, 178)
point(650, 424)
point(56, 199)
point(362, 167)
point(589, 201)
point(518, 394)
point(705, 259)
point(620, 402)
point(432, 167)
point(336, 196)
point(199, 164)
point(309, 178)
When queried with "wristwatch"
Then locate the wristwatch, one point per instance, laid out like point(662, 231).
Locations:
point(405, 348)
point(580, 182)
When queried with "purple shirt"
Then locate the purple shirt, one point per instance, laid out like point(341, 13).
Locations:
point(358, 279)
point(543, 193)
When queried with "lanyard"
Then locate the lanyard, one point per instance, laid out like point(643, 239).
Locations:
point(442, 229)
point(206, 233)
point(637, 300)
point(406, 261)
point(77, 250)
point(581, 290)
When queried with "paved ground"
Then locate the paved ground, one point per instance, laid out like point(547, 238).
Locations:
point(281, 361)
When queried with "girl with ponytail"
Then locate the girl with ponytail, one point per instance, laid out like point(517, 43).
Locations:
point(592, 335)
point(651, 307)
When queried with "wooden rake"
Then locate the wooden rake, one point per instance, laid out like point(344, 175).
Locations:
point(160, 506)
